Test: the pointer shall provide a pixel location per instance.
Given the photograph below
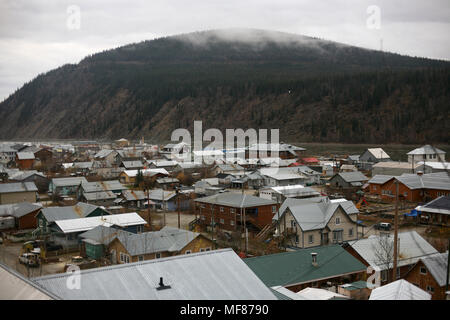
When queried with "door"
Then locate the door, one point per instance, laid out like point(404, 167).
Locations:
point(324, 238)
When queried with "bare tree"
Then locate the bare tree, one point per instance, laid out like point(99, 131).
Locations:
point(384, 253)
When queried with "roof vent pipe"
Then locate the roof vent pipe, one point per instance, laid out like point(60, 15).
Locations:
point(162, 286)
point(314, 259)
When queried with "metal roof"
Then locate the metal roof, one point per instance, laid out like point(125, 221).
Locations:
point(212, 275)
point(282, 173)
point(437, 265)
point(319, 294)
point(103, 153)
point(411, 248)
point(25, 155)
point(83, 165)
point(80, 210)
point(132, 164)
point(380, 179)
point(438, 180)
point(439, 205)
point(168, 239)
point(160, 194)
point(66, 182)
point(378, 153)
point(103, 186)
point(18, 209)
point(295, 267)
point(100, 195)
point(18, 187)
point(396, 165)
point(399, 290)
point(234, 199)
point(103, 234)
point(14, 286)
point(84, 224)
point(435, 165)
point(22, 175)
point(132, 195)
point(352, 176)
point(314, 213)
point(426, 149)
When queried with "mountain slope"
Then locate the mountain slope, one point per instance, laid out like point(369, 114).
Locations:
point(312, 90)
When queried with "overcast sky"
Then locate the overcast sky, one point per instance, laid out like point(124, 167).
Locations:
point(39, 35)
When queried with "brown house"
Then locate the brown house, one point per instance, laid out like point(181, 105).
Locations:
point(377, 252)
point(429, 274)
point(24, 214)
point(230, 211)
point(411, 187)
point(25, 160)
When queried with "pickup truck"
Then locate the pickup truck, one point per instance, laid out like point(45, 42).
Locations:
point(30, 259)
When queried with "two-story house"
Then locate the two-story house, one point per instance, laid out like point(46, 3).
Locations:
point(317, 221)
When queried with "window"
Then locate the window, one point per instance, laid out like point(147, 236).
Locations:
point(430, 289)
point(384, 275)
point(233, 210)
point(374, 187)
point(311, 238)
point(208, 249)
point(423, 270)
point(157, 255)
point(274, 209)
point(296, 238)
point(232, 222)
point(188, 251)
point(141, 258)
point(124, 258)
point(338, 220)
point(222, 221)
point(350, 232)
point(293, 223)
point(221, 209)
point(202, 217)
point(398, 272)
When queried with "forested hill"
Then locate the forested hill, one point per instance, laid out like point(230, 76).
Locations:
point(311, 89)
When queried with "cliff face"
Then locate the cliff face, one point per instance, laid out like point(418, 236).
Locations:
point(312, 90)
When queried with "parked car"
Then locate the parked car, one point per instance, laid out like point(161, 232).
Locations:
point(30, 259)
point(383, 226)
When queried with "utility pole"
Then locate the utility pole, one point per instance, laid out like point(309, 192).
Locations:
point(448, 266)
point(148, 210)
point(394, 272)
point(178, 207)
point(212, 225)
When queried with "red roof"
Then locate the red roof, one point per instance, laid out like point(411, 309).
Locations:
point(242, 255)
point(294, 164)
point(310, 160)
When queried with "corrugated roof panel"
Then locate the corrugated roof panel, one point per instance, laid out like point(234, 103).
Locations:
point(212, 275)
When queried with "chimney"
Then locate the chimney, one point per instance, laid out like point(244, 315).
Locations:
point(162, 286)
point(314, 259)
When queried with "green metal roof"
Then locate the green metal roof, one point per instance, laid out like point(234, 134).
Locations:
point(289, 268)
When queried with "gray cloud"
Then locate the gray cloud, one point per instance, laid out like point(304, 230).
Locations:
point(34, 37)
